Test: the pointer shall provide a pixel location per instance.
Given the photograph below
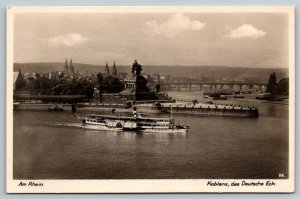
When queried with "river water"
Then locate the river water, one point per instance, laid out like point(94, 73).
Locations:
point(50, 145)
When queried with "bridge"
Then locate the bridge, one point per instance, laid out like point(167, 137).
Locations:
point(212, 85)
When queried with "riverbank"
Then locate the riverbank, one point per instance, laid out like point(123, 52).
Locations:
point(179, 107)
point(68, 107)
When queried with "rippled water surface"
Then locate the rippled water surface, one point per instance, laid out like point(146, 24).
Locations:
point(49, 145)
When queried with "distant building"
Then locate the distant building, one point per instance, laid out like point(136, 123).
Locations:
point(30, 76)
point(16, 75)
point(18, 80)
point(60, 74)
point(106, 70)
point(129, 83)
point(26, 75)
point(71, 68)
point(66, 68)
point(49, 75)
point(114, 72)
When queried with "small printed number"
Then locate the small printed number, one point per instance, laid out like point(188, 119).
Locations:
point(281, 175)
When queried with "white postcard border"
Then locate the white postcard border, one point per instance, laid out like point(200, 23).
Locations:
point(147, 186)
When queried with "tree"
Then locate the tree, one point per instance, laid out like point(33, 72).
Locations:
point(20, 82)
point(271, 83)
point(112, 85)
point(88, 91)
point(100, 82)
point(282, 87)
point(57, 90)
point(45, 88)
point(157, 88)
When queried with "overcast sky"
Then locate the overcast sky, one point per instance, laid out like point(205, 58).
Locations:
point(237, 40)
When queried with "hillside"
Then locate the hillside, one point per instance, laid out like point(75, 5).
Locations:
point(208, 72)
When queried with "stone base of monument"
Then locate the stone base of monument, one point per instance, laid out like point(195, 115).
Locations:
point(142, 92)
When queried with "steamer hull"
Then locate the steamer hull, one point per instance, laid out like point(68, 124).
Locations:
point(211, 109)
point(219, 112)
point(135, 123)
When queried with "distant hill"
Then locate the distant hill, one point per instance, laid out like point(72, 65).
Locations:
point(216, 72)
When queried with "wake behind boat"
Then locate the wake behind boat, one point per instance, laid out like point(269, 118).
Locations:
point(136, 122)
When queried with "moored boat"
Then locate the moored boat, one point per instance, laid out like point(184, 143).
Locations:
point(210, 108)
point(149, 107)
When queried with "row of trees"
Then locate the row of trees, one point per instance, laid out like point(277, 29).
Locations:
point(73, 86)
point(44, 86)
point(109, 84)
point(280, 88)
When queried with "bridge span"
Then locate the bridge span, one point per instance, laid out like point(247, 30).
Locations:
point(212, 85)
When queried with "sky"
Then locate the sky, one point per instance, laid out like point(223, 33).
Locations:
point(180, 38)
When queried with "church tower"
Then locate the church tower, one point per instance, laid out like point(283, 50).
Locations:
point(66, 68)
point(71, 68)
point(106, 70)
point(114, 72)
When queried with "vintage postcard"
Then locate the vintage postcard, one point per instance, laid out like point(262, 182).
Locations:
point(150, 99)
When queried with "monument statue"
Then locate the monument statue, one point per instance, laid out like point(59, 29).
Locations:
point(136, 68)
